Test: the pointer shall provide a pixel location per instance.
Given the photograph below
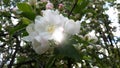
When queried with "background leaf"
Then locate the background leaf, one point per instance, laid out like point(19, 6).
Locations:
point(67, 51)
point(24, 7)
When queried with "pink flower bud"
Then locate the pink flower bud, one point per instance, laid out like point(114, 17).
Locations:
point(60, 6)
point(15, 9)
point(49, 5)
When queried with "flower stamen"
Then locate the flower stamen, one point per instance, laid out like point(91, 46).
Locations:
point(51, 28)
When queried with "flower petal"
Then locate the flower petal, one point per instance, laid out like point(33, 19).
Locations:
point(72, 27)
point(30, 28)
point(41, 46)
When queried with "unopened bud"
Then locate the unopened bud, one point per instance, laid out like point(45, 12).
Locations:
point(49, 5)
point(14, 39)
point(7, 36)
point(83, 50)
point(90, 47)
point(98, 47)
point(90, 14)
point(60, 6)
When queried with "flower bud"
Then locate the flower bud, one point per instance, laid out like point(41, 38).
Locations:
point(90, 14)
point(49, 5)
point(90, 47)
point(98, 47)
point(60, 6)
point(83, 50)
point(7, 36)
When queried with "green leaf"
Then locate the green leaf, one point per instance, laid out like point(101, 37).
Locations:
point(79, 1)
point(20, 27)
point(67, 51)
point(6, 2)
point(26, 21)
point(29, 15)
point(21, 59)
point(6, 14)
point(84, 4)
point(50, 62)
point(81, 5)
point(24, 7)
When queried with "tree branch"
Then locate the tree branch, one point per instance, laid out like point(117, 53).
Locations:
point(13, 57)
point(69, 65)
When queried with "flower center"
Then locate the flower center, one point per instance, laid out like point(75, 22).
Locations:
point(51, 28)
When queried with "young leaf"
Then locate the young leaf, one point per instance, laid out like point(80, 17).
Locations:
point(29, 15)
point(26, 21)
point(17, 29)
point(6, 2)
point(50, 62)
point(24, 7)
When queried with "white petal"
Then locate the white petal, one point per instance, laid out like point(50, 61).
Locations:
point(77, 27)
point(58, 35)
point(27, 38)
point(41, 46)
point(40, 24)
point(30, 28)
point(72, 27)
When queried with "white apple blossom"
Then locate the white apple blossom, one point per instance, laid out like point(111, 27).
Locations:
point(50, 26)
point(50, 23)
point(45, 28)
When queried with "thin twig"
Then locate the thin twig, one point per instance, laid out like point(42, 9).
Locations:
point(23, 63)
point(73, 8)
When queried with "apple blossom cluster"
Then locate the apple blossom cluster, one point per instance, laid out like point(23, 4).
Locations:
point(50, 26)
